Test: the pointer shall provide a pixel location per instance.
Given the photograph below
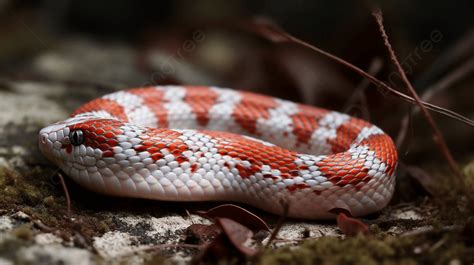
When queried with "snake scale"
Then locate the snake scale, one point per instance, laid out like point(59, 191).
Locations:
point(189, 143)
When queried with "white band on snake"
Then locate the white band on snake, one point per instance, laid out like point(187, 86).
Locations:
point(177, 143)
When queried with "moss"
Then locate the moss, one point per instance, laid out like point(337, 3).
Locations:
point(453, 207)
point(331, 250)
point(156, 259)
point(366, 251)
point(32, 193)
point(24, 232)
point(14, 190)
point(49, 201)
point(104, 226)
point(9, 246)
point(35, 193)
point(468, 171)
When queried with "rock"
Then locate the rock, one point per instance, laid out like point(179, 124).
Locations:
point(53, 254)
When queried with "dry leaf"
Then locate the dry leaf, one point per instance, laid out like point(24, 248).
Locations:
point(351, 226)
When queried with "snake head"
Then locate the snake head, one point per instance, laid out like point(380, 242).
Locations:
point(77, 144)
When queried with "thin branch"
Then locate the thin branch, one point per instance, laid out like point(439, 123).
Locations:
point(275, 34)
point(449, 80)
point(66, 193)
point(448, 60)
point(161, 247)
point(429, 229)
point(404, 126)
point(385, 87)
point(437, 135)
point(43, 227)
point(359, 92)
point(285, 205)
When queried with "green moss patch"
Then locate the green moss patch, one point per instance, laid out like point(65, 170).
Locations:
point(425, 249)
point(41, 197)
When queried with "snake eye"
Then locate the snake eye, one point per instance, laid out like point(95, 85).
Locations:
point(76, 137)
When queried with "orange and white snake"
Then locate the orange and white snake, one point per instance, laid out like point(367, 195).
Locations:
point(181, 143)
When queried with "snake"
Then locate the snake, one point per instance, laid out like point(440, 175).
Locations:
point(205, 143)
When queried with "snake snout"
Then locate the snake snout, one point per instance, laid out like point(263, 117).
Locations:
point(43, 138)
point(49, 139)
point(45, 145)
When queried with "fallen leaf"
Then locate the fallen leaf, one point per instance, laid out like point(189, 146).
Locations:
point(219, 247)
point(201, 233)
point(230, 243)
point(351, 226)
point(238, 235)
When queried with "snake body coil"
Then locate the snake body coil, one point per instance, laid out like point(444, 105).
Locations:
point(178, 143)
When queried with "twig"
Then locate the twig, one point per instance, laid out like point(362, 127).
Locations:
point(438, 138)
point(429, 229)
point(437, 135)
point(275, 34)
point(285, 205)
point(387, 88)
point(66, 193)
point(404, 126)
point(374, 68)
point(161, 247)
point(189, 216)
point(449, 59)
point(438, 244)
point(446, 82)
point(456, 75)
point(156, 247)
point(43, 227)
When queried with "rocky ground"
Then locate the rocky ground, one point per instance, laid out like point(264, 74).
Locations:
point(36, 228)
